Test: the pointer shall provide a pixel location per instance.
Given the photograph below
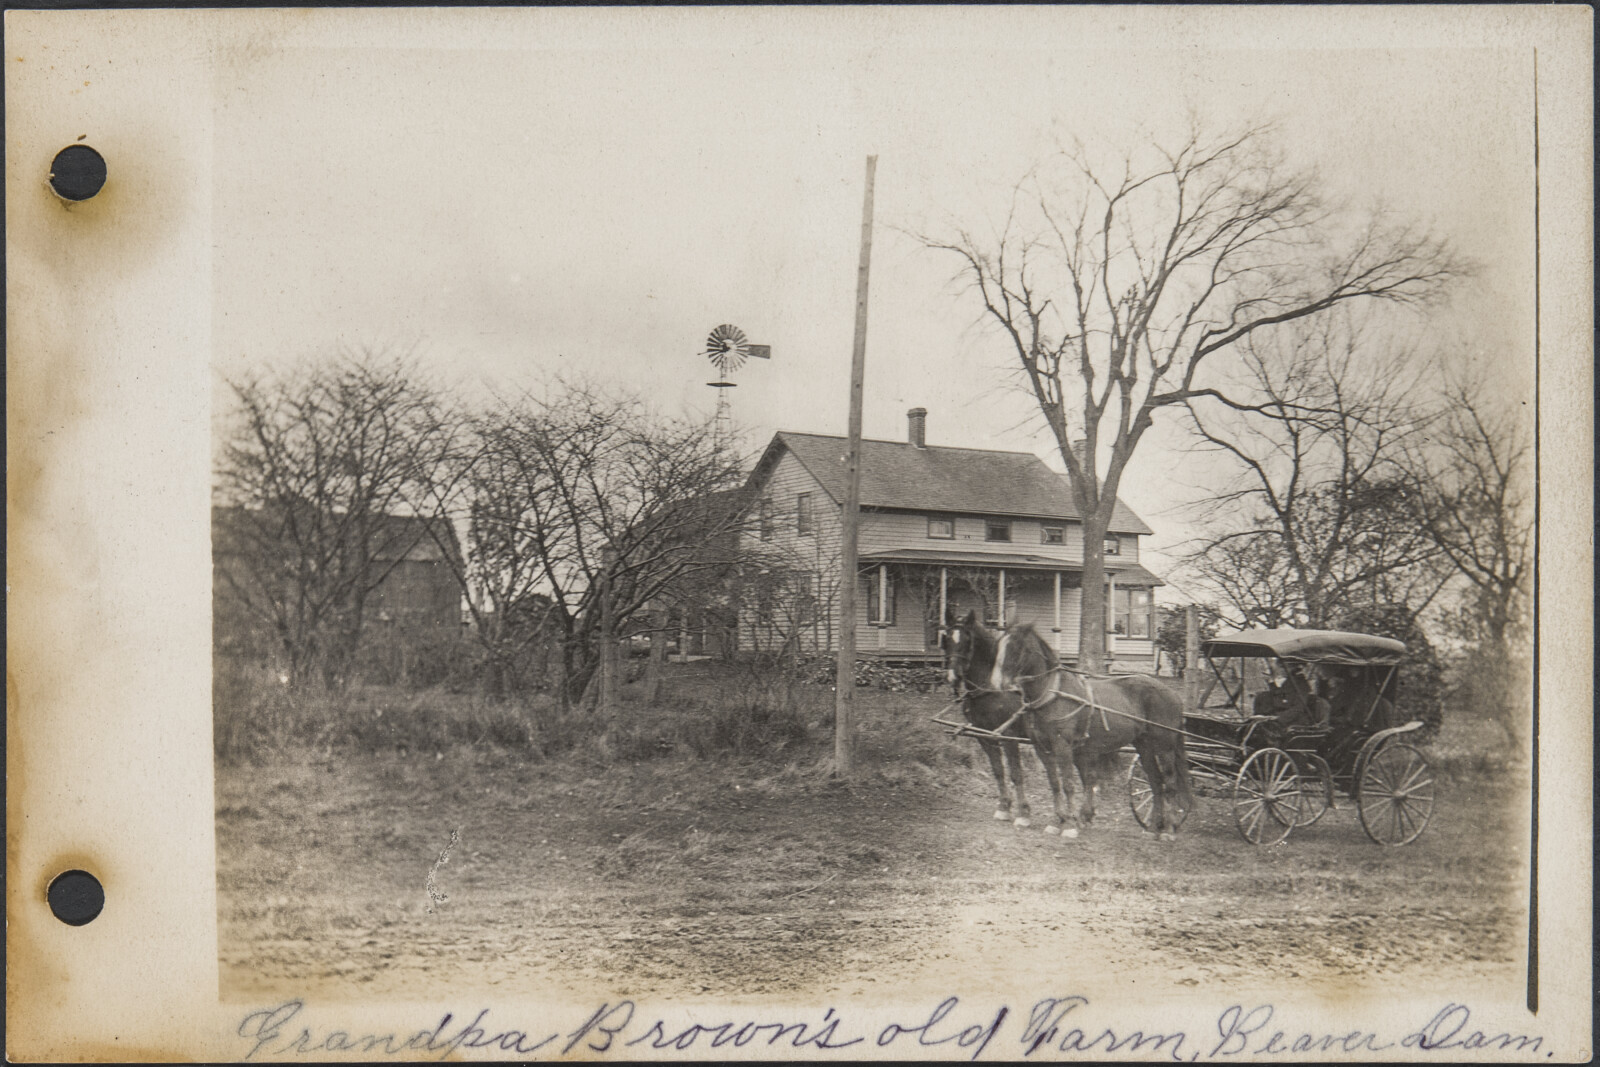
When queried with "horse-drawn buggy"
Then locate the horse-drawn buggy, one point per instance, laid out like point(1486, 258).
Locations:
point(1291, 718)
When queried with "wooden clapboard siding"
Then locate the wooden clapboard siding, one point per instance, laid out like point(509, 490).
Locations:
point(816, 552)
point(1133, 654)
point(788, 480)
point(909, 632)
point(1130, 549)
point(885, 530)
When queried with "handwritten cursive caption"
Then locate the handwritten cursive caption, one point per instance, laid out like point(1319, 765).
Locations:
point(1051, 1027)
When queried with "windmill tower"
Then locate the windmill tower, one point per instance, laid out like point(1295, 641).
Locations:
point(727, 348)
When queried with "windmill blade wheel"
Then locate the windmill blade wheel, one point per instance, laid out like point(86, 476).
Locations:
point(727, 347)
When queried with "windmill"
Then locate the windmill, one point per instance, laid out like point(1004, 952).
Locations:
point(727, 348)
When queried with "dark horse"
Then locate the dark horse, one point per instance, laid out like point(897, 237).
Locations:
point(1087, 719)
point(969, 658)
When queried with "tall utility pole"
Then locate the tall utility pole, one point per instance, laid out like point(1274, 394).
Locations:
point(844, 700)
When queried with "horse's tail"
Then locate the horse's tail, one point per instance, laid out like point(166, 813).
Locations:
point(1180, 768)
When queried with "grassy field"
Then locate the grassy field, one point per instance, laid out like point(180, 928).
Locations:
point(702, 846)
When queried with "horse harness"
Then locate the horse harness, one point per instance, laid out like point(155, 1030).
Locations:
point(1080, 731)
point(1086, 702)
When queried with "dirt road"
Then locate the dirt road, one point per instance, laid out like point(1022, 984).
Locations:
point(682, 877)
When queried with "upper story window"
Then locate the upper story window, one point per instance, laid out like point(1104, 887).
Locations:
point(1113, 545)
point(945, 528)
point(1052, 535)
point(802, 514)
point(766, 519)
point(997, 530)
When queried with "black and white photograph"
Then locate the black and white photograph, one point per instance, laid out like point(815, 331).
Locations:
point(888, 532)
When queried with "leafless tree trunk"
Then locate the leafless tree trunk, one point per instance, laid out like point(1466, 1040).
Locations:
point(1473, 500)
point(658, 654)
point(1115, 282)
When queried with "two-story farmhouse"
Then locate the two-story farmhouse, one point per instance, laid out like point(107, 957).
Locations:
point(941, 529)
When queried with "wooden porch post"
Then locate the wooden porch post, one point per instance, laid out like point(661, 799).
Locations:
point(944, 600)
point(1002, 613)
point(1057, 628)
point(1111, 615)
point(883, 603)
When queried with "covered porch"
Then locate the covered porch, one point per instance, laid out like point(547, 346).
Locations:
point(907, 595)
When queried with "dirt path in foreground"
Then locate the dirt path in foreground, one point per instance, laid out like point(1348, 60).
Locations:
point(679, 877)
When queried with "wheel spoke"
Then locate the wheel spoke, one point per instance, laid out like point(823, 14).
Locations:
point(1396, 795)
point(1408, 823)
point(1413, 772)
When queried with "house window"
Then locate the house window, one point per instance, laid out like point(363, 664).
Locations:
point(766, 519)
point(1113, 545)
point(802, 513)
point(945, 528)
point(880, 612)
point(997, 530)
point(1053, 535)
point(1132, 612)
point(805, 602)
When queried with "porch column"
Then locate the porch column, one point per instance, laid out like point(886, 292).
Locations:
point(944, 600)
point(1111, 614)
point(1057, 628)
point(883, 603)
point(1002, 613)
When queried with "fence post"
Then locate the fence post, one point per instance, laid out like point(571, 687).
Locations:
point(1191, 658)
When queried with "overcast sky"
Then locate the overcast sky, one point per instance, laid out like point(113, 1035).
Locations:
point(599, 192)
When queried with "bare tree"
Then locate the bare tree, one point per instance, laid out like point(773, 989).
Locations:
point(320, 462)
point(584, 502)
point(1320, 517)
point(1472, 491)
point(1472, 495)
point(1114, 285)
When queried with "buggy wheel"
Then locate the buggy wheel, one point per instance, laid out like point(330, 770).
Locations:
point(1316, 788)
point(1141, 797)
point(1394, 794)
point(1266, 797)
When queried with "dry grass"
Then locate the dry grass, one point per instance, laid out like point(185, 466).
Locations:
point(705, 711)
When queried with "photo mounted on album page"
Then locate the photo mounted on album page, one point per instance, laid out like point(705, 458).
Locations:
point(800, 533)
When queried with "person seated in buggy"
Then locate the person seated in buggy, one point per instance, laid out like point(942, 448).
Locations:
point(1292, 701)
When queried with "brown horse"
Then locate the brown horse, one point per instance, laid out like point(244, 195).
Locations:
point(1087, 719)
point(969, 657)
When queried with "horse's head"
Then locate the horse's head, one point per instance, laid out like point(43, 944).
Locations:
point(961, 644)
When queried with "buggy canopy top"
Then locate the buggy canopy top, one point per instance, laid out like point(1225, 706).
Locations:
point(1308, 646)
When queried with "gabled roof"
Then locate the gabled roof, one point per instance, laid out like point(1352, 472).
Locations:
point(899, 475)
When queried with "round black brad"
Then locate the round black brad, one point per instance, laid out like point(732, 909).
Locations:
point(76, 897)
point(78, 172)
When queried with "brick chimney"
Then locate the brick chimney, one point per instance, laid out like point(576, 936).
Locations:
point(917, 427)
